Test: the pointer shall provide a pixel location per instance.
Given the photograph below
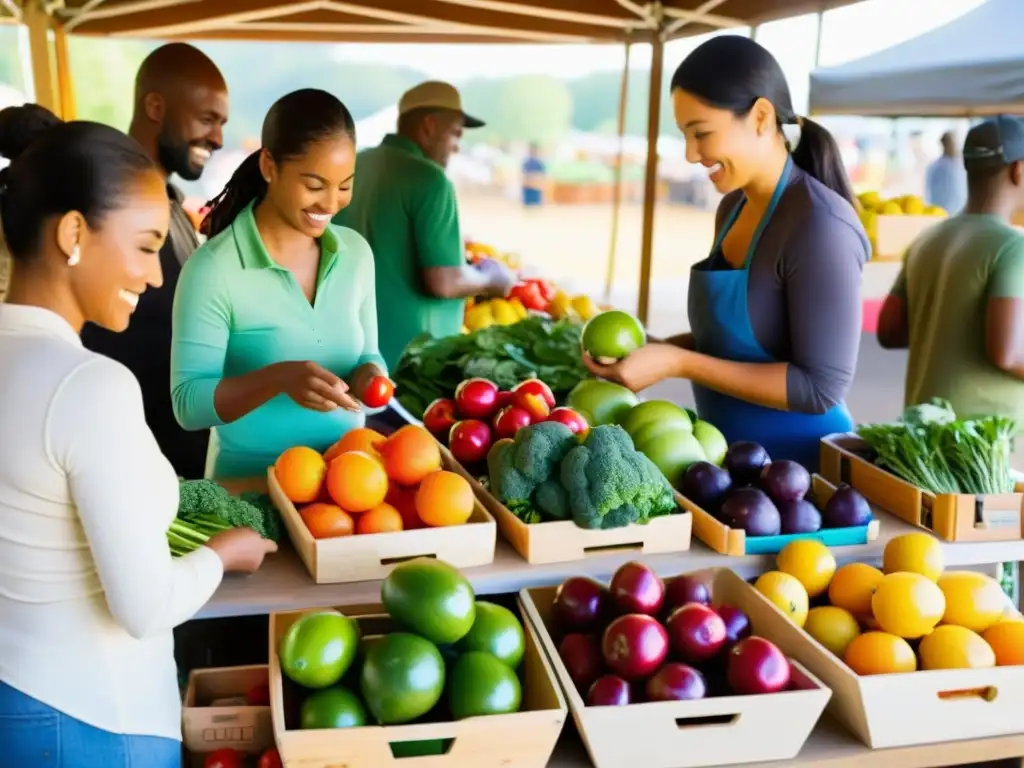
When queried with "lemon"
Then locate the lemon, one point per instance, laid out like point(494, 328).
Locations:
point(916, 552)
point(833, 627)
point(912, 205)
point(891, 208)
point(951, 647)
point(973, 600)
point(786, 592)
point(879, 653)
point(810, 562)
point(907, 604)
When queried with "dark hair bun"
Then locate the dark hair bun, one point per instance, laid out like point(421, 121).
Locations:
point(20, 126)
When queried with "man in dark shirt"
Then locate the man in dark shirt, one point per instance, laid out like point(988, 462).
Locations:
point(181, 106)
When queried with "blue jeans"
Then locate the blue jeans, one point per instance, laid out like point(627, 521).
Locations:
point(35, 735)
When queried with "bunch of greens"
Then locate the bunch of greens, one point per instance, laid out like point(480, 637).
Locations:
point(931, 447)
point(505, 354)
point(206, 509)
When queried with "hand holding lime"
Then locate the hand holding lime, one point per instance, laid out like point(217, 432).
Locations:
point(611, 336)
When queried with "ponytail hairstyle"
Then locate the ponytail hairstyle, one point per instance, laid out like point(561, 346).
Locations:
point(58, 167)
point(294, 122)
point(732, 72)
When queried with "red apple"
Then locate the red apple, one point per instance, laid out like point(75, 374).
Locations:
point(536, 387)
point(572, 419)
point(634, 646)
point(636, 588)
point(581, 604)
point(476, 399)
point(504, 399)
point(440, 416)
point(469, 441)
point(510, 420)
point(676, 682)
point(533, 404)
point(685, 589)
point(756, 666)
point(581, 655)
point(609, 691)
point(696, 633)
point(737, 625)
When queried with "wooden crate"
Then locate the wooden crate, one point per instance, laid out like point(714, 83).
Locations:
point(732, 541)
point(724, 730)
point(913, 708)
point(894, 234)
point(206, 728)
point(561, 541)
point(372, 556)
point(525, 739)
point(846, 458)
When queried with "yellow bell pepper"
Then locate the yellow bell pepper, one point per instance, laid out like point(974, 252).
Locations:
point(518, 308)
point(584, 306)
point(479, 317)
point(503, 311)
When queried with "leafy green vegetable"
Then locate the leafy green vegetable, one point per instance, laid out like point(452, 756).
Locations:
point(205, 508)
point(505, 354)
point(934, 449)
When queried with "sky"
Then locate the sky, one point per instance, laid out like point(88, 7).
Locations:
point(848, 33)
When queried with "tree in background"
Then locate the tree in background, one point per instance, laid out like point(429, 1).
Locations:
point(104, 78)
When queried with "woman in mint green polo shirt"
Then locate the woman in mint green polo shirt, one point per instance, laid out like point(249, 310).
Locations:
point(275, 318)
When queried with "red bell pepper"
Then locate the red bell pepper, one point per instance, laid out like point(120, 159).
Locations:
point(547, 290)
point(530, 296)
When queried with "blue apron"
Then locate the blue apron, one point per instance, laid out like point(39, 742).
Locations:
point(720, 323)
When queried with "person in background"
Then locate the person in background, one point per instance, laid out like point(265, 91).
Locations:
point(945, 180)
point(405, 207)
point(775, 309)
point(534, 177)
point(958, 302)
point(181, 106)
point(89, 591)
point(275, 318)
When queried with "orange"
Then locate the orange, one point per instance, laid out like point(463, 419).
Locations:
point(444, 498)
point(381, 519)
point(952, 647)
point(356, 481)
point(360, 439)
point(786, 592)
point(973, 600)
point(852, 588)
point(810, 562)
point(879, 653)
point(1007, 641)
point(404, 500)
point(916, 552)
point(908, 605)
point(326, 521)
point(300, 473)
point(410, 455)
point(835, 628)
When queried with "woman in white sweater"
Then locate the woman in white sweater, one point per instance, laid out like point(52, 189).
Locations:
point(89, 592)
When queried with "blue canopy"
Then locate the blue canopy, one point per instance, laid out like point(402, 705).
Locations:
point(974, 65)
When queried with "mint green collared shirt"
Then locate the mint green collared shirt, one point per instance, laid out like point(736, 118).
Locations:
point(236, 310)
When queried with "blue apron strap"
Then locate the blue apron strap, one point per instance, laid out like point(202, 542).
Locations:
point(780, 187)
point(729, 221)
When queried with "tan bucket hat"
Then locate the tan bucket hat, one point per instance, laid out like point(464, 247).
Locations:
point(435, 94)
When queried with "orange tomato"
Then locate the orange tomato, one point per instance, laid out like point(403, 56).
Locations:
point(356, 481)
point(300, 473)
point(444, 498)
point(381, 519)
point(326, 521)
point(410, 454)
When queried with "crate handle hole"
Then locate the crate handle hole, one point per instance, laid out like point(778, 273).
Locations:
point(407, 558)
point(988, 693)
point(707, 721)
point(420, 748)
point(605, 548)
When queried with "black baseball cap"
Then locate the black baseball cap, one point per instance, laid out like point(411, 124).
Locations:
point(996, 142)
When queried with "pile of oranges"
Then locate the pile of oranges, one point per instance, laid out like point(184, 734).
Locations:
point(369, 483)
point(910, 615)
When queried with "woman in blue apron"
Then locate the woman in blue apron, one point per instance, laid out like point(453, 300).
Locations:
point(775, 309)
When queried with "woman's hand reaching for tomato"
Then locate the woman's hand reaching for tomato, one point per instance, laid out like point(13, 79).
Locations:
point(642, 368)
point(371, 386)
point(313, 386)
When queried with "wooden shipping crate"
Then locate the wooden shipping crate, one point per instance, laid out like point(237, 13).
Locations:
point(894, 234)
point(206, 728)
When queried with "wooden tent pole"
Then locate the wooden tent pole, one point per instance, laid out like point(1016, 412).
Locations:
point(609, 277)
point(65, 82)
point(651, 175)
point(38, 24)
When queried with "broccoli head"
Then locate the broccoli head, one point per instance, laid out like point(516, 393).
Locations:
point(610, 484)
point(517, 467)
point(553, 500)
point(204, 499)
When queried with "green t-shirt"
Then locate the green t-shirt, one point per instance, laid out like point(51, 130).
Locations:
point(948, 275)
point(404, 205)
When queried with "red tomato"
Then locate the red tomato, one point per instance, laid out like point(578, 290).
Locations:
point(258, 695)
point(224, 758)
point(440, 416)
point(270, 759)
point(536, 387)
point(378, 392)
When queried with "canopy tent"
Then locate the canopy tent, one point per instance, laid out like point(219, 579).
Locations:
point(419, 21)
point(973, 65)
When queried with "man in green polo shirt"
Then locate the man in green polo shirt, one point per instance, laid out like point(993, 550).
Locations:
point(405, 207)
point(958, 303)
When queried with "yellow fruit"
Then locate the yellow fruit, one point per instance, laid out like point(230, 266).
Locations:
point(879, 653)
point(585, 307)
point(950, 647)
point(810, 562)
point(935, 210)
point(891, 208)
point(852, 588)
point(479, 317)
point(916, 552)
point(973, 600)
point(907, 605)
point(518, 308)
point(561, 305)
point(1007, 641)
point(912, 205)
point(869, 199)
point(786, 592)
point(833, 627)
point(504, 313)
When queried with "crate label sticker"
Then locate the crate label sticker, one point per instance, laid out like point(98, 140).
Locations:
point(1001, 517)
point(222, 735)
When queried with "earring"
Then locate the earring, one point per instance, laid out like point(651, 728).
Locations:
point(75, 257)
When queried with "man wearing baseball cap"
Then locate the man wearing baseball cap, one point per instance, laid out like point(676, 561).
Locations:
point(405, 207)
point(958, 303)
